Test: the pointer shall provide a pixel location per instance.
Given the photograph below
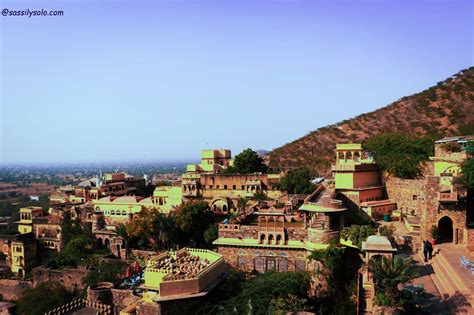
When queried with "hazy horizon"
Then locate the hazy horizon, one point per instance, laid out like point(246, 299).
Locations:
point(143, 81)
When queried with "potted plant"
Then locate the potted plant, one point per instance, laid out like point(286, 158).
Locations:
point(434, 234)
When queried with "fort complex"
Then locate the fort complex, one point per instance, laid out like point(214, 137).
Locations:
point(274, 232)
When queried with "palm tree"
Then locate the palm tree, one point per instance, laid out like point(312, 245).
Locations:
point(164, 225)
point(242, 203)
point(389, 273)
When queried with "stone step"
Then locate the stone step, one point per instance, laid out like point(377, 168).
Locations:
point(464, 296)
point(458, 282)
point(441, 280)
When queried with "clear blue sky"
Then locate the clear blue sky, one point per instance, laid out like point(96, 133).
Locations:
point(160, 80)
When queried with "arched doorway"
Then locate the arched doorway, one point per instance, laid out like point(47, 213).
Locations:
point(445, 229)
point(107, 244)
point(100, 243)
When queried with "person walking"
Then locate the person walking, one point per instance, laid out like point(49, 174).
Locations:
point(430, 249)
point(425, 250)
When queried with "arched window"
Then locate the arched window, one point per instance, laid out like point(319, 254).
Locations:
point(112, 212)
point(349, 155)
point(124, 212)
point(278, 239)
point(262, 238)
point(356, 156)
point(270, 239)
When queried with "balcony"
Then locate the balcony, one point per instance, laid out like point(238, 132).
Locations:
point(448, 197)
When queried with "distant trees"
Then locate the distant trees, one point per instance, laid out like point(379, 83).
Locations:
point(247, 162)
point(297, 182)
point(400, 155)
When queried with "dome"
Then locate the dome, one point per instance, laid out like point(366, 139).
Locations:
point(377, 243)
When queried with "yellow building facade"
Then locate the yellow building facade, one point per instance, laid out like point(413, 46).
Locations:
point(25, 225)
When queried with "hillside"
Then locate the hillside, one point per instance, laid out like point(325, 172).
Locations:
point(442, 110)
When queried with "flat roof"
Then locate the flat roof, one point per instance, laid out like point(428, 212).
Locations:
point(348, 146)
point(250, 242)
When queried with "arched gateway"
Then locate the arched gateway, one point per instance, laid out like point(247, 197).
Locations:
point(445, 228)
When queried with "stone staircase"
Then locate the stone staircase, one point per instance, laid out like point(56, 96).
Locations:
point(450, 285)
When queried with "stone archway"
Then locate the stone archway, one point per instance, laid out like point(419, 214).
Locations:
point(445, 229)
point(100, 243)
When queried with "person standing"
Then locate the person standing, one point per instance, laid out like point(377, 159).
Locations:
point(425, 250)
point(430, 249)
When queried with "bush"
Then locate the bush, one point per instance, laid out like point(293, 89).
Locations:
point(111, 271)
point(357, 233)
point(43, 298)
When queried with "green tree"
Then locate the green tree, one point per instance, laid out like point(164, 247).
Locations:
point(193, 219)
point(211, 234)
point(153, 228)
point(289, 304)
point(467, 171)
point(389, 274)
point(43, 298)
point(297, 182)
point(247, 162)
point(400, 155)
point(257, 295)
point(242, 203)
point(332, 260)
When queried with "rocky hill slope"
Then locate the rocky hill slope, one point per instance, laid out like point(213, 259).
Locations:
point(442, 110)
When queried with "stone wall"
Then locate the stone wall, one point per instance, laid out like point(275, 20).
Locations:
point(319, 236)
point(70, 278)
point(243, 258)
point(123, 298)
point(12, 290)
point(409, 194)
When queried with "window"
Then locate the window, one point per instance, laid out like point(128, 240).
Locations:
point(259, 264)
point(282, 264)
point(300, 265)
point(225, 186)
point(210, 186)
point(270, 264)
point(415, 197)
point(243, 187)
point(242, 262)
point(217, 186)
point(234, 187)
